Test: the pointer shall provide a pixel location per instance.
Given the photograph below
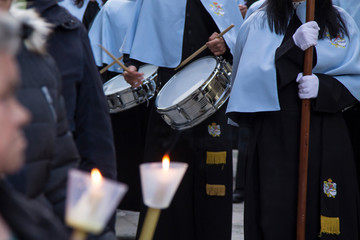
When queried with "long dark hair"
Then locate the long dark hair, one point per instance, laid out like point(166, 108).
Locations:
point(326, 15)
point(80, 3)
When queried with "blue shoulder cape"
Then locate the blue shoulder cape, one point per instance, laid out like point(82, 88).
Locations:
point(156, 33)
point(109, 29)
point(254, 79)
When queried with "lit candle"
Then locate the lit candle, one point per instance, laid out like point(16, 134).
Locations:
point(84, 212)
point(159, 183)
point(162, 185)
point(166, 163)
point(95, 192)
point(91, 201)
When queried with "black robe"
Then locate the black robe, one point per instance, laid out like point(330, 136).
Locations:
point(193, 213)
point(91, 11)
point(272, 169)
point(129, 130)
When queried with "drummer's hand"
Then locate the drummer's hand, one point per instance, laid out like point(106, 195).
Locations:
point(133, 77)
point(216, 45)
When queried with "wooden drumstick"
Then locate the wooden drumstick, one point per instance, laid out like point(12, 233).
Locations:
point(114, 58)
point(202, 49)
point(110, 65)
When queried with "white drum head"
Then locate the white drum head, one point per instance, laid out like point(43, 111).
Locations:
point(115, 85)
point(185, 82)
point(148, 70)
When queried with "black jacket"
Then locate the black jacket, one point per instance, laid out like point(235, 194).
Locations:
point(85, 101)
point(51, 150)
point(28, 220)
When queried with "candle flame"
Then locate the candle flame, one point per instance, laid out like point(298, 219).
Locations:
point(166, 162)
point(96, 176)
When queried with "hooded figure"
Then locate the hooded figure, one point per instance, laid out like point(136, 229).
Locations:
point(129, 127)
point(266, 94)
point(202, 206)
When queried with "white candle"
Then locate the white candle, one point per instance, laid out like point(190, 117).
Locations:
point(91, 200)
point(160, 182)
point(163, 180)
point(84, 213)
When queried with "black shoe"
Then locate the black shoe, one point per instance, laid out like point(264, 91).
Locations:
point(238, 196)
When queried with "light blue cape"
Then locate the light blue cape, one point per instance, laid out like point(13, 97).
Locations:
point(352, 7)
point(156, 34)
point(254, 75)
point(255, 6)
point(109, 29)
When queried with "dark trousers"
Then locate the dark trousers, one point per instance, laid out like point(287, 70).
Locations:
point(352, 118)
point(242, 146)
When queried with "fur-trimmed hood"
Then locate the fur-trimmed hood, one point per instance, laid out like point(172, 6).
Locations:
point(35, 30)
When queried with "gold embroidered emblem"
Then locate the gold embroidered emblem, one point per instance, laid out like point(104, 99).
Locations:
point(338, 42)
point(217, 9)
point(214, 130)
point(330, 188)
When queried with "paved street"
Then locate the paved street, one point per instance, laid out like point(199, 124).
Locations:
point(127, 222)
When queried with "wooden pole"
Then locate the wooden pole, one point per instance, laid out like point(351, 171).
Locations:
point(304, 136)
point(150, 222)
point(78, 235)
point(188, 59)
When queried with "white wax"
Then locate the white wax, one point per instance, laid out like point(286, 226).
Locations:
point(159, 185)
point(85, 214)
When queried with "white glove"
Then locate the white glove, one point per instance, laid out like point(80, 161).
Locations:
point(306, 35)
point(308, 86)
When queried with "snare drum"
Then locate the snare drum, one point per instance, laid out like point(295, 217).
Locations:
point(121, 96)
point(194, 93)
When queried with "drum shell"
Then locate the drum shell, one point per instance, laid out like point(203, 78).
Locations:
point(202, 102)
point(131, 97)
